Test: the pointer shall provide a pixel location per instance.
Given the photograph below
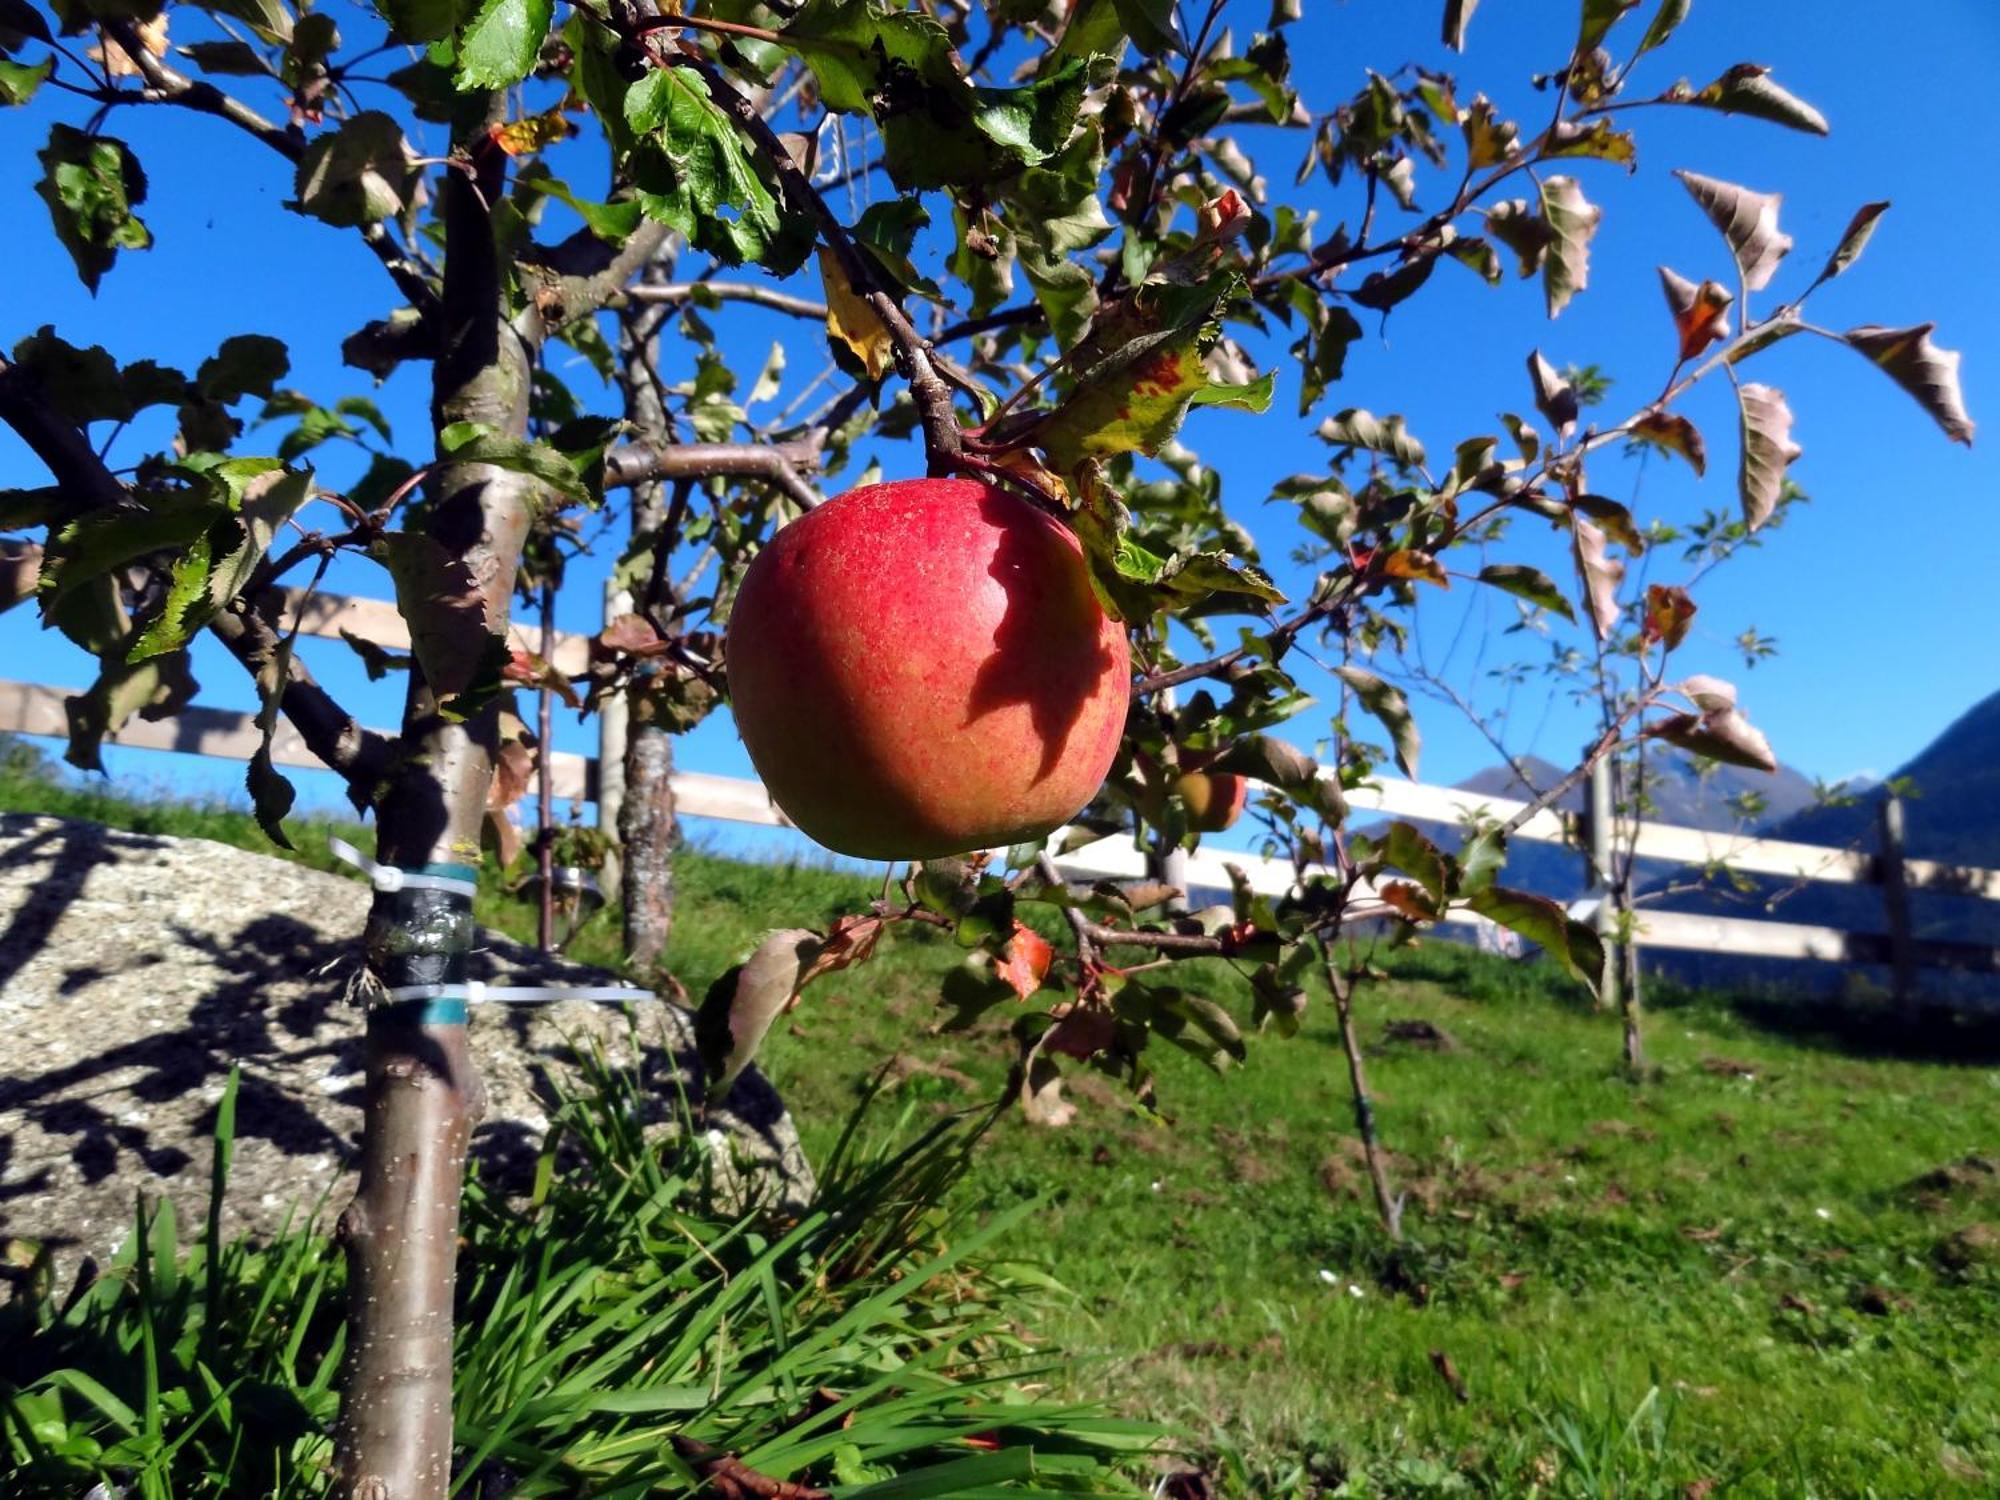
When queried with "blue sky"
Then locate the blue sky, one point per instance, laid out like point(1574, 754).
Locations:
point(1876, 592)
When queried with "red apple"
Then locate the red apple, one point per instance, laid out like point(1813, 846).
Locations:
point(921, 669)
point(1214, 799)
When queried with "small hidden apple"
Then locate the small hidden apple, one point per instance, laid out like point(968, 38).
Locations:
point(921, 669)
point(1214, 799)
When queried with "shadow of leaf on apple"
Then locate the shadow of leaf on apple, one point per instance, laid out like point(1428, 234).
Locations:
point(1048, 653)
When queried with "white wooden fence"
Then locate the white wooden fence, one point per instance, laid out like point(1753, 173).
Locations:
point(33, 709)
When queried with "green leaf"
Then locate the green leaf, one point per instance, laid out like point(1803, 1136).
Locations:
point(1572, 220)
point(1417, 857)
point(498, 46)
point(1748, 221)
point(1599, 16)
point(421, 20)
point(1355, 428)
point(1860, 229)
point(1747, 89)
point(1666, 20)
point(689, 164)
point(19, 22)
point(1598, 140)
point(1543, 922)
point(1927, 372)
point(1765, 426)
point(90, 547)
point(271, 794)
point(91, 184)
point(227, 59)
point(358, 174)
point(1153, 25)
point(247, 364)
point(1322, 354)
point(18, 81)
point(1531, 584)
point(1386, 702)
point(83, 385)
point(1480, 859)
point(1135, 400)
point(469, 443)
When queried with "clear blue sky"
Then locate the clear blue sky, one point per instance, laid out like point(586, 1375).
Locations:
point(1878, 592)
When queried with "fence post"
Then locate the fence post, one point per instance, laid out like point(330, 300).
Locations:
point(1598, 828)
point(611, 723)
point(1896, 898)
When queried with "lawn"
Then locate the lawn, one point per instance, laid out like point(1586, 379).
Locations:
point(1769, 1266)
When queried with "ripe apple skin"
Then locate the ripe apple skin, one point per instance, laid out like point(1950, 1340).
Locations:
point(921, 669)
point(1214, 799)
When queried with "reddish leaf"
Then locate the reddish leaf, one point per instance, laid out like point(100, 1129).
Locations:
point(1081, 1032)
point(1414, 565)
point(1701, 313)
point(632, 634)
point(850, 941)
point(1674, 433)
point(1027, 959)
point(1407, 901)
point(1669, 611)
point(531, 670)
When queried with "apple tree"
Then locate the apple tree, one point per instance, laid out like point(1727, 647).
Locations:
point(1066, 248)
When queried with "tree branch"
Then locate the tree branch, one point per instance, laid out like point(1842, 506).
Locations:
point(781, 464)
point(167, 85)
point(678, 293)
point(943, 441)
point(245, 626)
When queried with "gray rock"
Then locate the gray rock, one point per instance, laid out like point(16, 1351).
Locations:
point(135, 970)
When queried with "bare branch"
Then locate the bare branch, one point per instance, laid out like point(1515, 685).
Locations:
point(678, 293)
point(782, 464)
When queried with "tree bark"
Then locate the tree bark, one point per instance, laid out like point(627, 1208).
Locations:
point(423, 1095)
point(648, 832)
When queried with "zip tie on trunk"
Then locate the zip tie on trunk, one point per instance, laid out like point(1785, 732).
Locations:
point(392, 878)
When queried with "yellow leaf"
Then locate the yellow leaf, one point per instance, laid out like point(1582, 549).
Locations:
point(851, 320)
point(527, 136)
point(152, 36)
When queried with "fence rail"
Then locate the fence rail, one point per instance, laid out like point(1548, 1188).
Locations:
point(34, 709)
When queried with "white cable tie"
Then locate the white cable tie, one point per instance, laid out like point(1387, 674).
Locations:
point(477, 992)
point(391, 878)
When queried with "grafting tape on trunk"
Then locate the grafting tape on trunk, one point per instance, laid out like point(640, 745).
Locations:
point(420, 936)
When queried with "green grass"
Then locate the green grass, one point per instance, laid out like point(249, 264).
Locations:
point(1721, 1272)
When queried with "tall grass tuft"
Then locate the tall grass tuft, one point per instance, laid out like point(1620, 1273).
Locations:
point(617, 1330)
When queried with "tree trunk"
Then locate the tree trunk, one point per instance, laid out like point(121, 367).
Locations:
point(649, 833)
point(1388, 1203)
point(423, 1096)
point(647, 829)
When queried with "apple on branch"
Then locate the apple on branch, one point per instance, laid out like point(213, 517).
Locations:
point(921, 669)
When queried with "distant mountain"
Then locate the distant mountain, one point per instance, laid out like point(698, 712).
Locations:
point(1682, 792)
point(1952, 816)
